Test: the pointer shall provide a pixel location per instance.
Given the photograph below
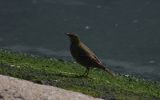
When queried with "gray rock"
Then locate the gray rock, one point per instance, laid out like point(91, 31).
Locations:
point(17, 89)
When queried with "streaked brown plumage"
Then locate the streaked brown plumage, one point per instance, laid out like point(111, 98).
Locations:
point(84, 56)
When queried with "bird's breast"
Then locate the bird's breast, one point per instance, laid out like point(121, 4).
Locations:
point(75, 50)
point(80, 55)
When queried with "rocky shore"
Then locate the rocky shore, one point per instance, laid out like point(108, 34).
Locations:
point(17, 89)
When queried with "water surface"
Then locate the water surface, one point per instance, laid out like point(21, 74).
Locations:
point(123, 33)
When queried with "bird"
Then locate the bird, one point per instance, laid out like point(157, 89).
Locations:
point(85, 56)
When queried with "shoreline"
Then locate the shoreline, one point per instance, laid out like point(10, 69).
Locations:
point(66, 75)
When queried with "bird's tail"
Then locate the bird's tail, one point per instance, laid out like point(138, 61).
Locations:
point(107, 70)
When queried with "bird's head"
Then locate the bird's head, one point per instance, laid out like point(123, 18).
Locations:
point(73, 37)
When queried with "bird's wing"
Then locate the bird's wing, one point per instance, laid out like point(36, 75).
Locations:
point(90, 54)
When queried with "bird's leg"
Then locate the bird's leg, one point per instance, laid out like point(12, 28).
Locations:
point(86, 72)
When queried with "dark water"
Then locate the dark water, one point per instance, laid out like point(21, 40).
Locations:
point(125, 34)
